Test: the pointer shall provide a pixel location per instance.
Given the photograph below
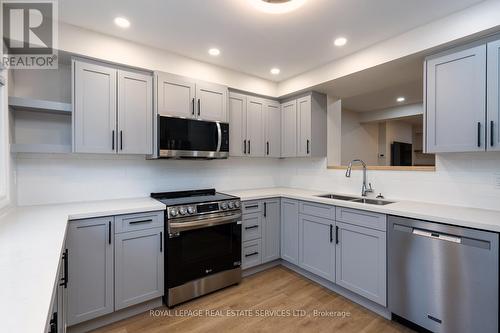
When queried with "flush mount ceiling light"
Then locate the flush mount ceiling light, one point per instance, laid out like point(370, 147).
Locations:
point(214, 52)
point(341, 41)
point(277, 6)
point(122, 22)
point(400, 99)
point(275, 71)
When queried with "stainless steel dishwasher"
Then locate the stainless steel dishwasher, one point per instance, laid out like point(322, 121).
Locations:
point(441, 277)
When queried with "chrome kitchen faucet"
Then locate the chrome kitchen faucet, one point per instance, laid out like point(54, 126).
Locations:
point(364, 188)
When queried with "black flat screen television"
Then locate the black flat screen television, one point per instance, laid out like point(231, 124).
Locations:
point(401, 154)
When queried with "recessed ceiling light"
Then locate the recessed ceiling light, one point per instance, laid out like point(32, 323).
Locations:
point(277, 6)
point(214, 52)
point(275, 71)
point(400, 99)
point(122, 22)
point(341, 41)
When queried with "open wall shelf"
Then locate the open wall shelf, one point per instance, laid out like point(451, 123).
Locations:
point(29, 104)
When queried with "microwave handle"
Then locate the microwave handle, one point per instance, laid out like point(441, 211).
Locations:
point(219, 136)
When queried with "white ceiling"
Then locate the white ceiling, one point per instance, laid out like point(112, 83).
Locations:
point(252, 41)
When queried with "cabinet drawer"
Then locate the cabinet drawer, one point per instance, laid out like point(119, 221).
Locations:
point(362, 218)
point(251, 254)
point(140, 221)
point(252, 226)
point(319, 210)
point(253, 206)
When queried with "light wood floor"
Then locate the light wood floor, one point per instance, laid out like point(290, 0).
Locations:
point(277, 289)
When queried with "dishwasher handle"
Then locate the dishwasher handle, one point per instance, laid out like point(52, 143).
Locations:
point(437, 235)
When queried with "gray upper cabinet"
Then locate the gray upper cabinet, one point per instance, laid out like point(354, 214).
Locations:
point(455, 101)
point(135, 117)
point(493, 116)
point(90, 269)
point(94, 108)
point(176, 95)
point(290, 230)
point(272, 128)
point(289, 129)
point(271, 230)
point(238, 124)
point(361, 261)
point(255, 128)
point(317, 246)
point(102, 95)
point(211, 101)
point(304, 126)
point(138, 266)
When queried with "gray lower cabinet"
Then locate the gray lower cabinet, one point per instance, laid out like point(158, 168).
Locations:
point(90, 269)
point(317, 246)
point(290, 230)
point(251, 254)
point(271, 230)
point(138, 266)
point(361, 261)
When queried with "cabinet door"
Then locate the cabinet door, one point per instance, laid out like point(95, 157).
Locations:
point(90, 269)
point(304, 126)
point(316, 246)
point(493, 120)
point(272, 129)
point(361, 261)
point(211, 102)
point(135, 113)
point(456, 101)
point(255, 128)
point(290, 230)
point(138, 267)
point(271, 230)
point(289, 129)
point(94, 117)
point(176, 96)
point(62, 299)
point(237, 124)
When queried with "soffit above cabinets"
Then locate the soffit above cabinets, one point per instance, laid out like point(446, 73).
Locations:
point(251, 41)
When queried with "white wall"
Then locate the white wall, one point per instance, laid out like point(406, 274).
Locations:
point(95, 45)
point(462, 179)
point(44, 179)
point(358, 140)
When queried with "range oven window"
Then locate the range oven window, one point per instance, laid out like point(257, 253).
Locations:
point(200, 252)
point(192, 135)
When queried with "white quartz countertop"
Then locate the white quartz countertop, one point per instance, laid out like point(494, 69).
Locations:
point(32, 237)
point(455, 215)
point(31, 241)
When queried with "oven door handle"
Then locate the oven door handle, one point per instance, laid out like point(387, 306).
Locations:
point(184, 226)
point(219, 136)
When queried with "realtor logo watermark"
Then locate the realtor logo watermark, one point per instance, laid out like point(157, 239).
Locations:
point(30, 34)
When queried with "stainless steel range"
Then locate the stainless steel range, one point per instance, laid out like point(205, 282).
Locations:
point(203, 241)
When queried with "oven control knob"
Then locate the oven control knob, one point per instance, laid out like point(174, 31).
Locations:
point(182, 211)
point(230, 205)
point(223, 205)
point(237, 204)
point(174, 212)
point(191, 210)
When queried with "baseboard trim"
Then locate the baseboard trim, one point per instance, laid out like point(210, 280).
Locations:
point(115, 316)
point(260, 268)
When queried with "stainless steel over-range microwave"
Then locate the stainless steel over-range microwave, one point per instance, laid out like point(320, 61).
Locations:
point(192, 138)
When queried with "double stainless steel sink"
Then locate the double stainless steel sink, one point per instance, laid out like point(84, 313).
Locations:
point(356, 199)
